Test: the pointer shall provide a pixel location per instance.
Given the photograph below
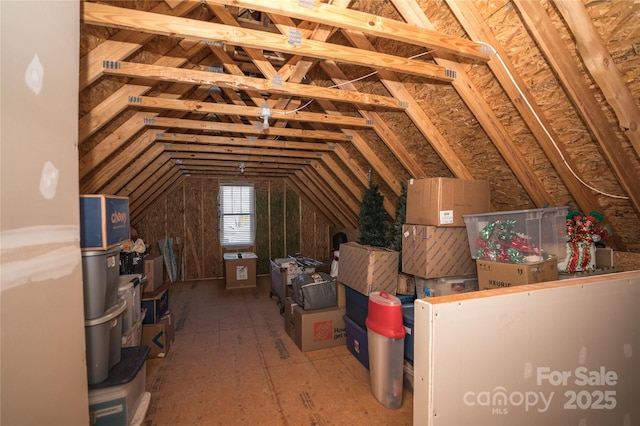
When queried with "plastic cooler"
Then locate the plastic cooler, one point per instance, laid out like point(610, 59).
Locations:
point(385, 336)
point(100, 272)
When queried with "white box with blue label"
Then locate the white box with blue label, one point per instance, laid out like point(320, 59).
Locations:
point(104, 221)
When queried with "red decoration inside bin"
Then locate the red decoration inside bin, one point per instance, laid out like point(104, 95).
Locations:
point(384, 315)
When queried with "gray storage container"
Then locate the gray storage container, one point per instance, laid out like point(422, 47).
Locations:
point(103, 337)
point(100, 275)
point(314, 291)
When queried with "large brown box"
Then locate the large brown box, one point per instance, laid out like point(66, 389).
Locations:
point(240, 272)
point(443, 201)
point(501, 274)
point(436, 251)
point(158, 337)
point(318, 329)
point(367, 268)
point(153, 270)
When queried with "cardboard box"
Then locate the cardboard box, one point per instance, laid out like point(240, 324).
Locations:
point(406, 284)
point(604, 257)
point(289, 326)
point(104, 221)
point(156, 304)
point(500, 274)
point(367, 268)
point(154, 272)
point(443, 201)
point(436, 251)
point(158, 336)
point(319, 329)
point(240, 272)
point(445, 286)
point(342, 295)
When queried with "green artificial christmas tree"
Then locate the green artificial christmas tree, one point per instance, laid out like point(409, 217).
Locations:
point(373, 218)
point(395, 231)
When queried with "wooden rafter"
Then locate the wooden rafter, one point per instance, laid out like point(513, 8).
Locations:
point(244, 111)
point(215, 126)
point(236, 82)
point(602, 68)
point(99, 14)
point(532, 114)
point(482, 111)
point(373, 25)
point(581, 96)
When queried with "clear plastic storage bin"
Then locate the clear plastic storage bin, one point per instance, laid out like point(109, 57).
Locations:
point(519, 236)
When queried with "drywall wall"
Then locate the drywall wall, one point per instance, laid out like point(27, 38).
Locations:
point(557, 353)
point(43, 370)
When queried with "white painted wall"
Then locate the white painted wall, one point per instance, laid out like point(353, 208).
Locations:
point(42, 351)
point(557, 353)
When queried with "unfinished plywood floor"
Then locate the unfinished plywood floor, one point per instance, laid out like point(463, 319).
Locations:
point(232, 363)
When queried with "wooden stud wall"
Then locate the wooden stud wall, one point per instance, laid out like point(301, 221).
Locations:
point(188, 213)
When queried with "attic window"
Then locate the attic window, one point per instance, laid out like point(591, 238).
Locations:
point(236, 202)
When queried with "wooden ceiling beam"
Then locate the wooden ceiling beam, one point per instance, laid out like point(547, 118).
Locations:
point(148, 164)
point(369, 24)
point(134, 20)
point(582, 97)
point(341, 194)
point(139, 204)
point(236, 82)
point(181, 155)
point(473, 98)
point(324, 211)
point(333, 199)
point(279, 153)
point(532, 114)
point(187, 105)
point(111, 143)
point(112, 106)
point(320, 199)
point(602, 68)
point(197, 162)
point(120, 167)
point(244, 142)
point(121, 46)
point(216, 126)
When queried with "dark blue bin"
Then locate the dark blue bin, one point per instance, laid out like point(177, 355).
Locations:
point(357, 304)
point(357, 342)
point(407, 318)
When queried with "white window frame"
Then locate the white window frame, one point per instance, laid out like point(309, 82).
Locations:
point(237, 214)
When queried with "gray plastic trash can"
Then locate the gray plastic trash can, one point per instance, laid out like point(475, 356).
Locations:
point(385, 336)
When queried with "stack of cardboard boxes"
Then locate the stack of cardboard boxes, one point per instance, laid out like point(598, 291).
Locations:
point(157, 324)
point(435, 246)
point(363, 270)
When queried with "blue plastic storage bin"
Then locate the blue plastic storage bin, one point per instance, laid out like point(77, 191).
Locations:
point(357, 341)
point(407, 317)
point(357, 305)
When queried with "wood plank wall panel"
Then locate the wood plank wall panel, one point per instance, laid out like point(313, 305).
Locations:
point(211, 253)
point(314, 235)
point(192, 205)
point(277, 218)
point(263, 229)
point(292, 222)
point(194, 228)
point(175, 222)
